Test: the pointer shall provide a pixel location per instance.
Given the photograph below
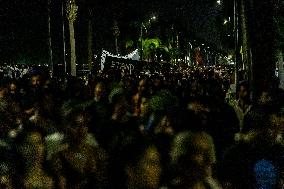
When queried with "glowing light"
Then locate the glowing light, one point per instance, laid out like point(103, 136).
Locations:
point(153, 18)
point(219, 2)
point(225, 21)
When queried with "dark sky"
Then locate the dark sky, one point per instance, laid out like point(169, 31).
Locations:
point(23, 30)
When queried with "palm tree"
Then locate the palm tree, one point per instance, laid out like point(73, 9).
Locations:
point(149, 48)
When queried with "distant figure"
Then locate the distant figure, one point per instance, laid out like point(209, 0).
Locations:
point(198, 57)
point(242, 106)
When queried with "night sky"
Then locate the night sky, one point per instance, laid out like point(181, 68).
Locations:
point(24, 31)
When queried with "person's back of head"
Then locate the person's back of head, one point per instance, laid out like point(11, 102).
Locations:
point(243, 91)
point(193, 154)
point(137, 165)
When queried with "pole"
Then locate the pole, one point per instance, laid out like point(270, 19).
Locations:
point(63, 38)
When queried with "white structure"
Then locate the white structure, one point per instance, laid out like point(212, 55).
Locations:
point(133, 56)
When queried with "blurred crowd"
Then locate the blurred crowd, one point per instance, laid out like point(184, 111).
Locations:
point(174, 128)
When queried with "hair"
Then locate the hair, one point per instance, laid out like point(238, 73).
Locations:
point(183, 145)
point(115, 95)
point(130, 154)
point(243, 84)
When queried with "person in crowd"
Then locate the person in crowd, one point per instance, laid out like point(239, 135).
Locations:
point(120, 121)
point(242, 106)
point(136, 98)
point(193, 159)
point(265, 104)
point(80, 165)
point(100, 128)
point(98, 107)
point(10, 116)
point(3, 94)
point(214, 117)
point(36, 82)
point(13, 90)
point(35, 174)
point(100, 92)
point(8, 171)
point(257, 163)
point(163, 107)
point(137, 165)
point(231, 92)
point(76, 91)
point(144, 112)
point(40, 115)
point(3, 109)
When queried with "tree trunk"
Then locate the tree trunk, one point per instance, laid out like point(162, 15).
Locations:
point(49, 37)
point(90, 44)
point(246, 56)
point(236, 42)
point(116, 46)
point(63, 38)
point(116, 34)
point(262, 30)
point(72, 45)
point(71, 15)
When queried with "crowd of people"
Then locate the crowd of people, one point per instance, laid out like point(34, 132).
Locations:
point(176, 128)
